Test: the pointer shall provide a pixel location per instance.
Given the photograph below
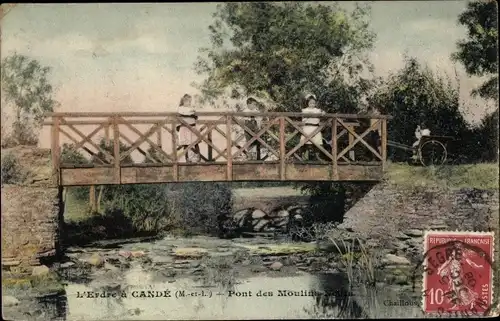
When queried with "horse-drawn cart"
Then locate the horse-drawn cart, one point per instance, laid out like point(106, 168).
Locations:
point(431, 150)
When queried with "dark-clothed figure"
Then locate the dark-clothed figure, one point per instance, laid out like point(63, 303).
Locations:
point(253, 123)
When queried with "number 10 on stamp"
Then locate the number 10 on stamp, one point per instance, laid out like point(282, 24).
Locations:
point(458, 274)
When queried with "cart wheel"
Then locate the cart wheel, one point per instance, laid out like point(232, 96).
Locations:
point(432, 152)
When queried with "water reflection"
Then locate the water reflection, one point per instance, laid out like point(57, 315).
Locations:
point(342, 305)
point(293, 297)
point(53, 307)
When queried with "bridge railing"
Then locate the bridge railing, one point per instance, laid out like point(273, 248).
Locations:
point(116, 139)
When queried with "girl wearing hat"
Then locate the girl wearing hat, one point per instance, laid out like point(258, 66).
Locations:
point(185, 136)
point(310, 125)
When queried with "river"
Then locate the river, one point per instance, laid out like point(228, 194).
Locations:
point(168, 279)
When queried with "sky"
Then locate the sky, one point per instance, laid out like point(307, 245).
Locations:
point(139, 57)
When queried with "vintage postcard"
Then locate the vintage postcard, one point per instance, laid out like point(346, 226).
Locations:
point(249, 160)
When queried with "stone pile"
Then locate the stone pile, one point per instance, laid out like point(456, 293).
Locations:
point(258, 221)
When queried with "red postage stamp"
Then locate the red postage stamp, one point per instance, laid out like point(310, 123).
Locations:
point(458, 273)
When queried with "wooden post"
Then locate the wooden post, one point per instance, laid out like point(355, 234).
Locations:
point(106, 132)
point(55, 151)
point(116, 150)
point(282, 148)
point(158, 137)
point(210, 149)
point(383, 144)
point(92, 199)
point(174, 151)
point(351, 152)
point(229, 147)
point(334, 144)
point(99, 198)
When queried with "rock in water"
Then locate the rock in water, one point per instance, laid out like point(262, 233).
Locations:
point(95, 260)
point(397, 260)
point(40, 270)
point(283, 213)
point(256, 214)
point(260, 225)
point(137, 253)
point(193, 252)
point(125, 254)
point(110, 267)
point(414, 233)
point(276, 266)
point(9, 301)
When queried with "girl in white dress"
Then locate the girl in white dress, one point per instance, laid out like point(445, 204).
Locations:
point(185, 136)
point(310, 125)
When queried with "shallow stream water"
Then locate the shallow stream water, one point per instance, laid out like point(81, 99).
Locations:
point(146, 288)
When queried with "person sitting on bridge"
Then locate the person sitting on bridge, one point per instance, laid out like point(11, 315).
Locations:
point(252, 123)
point(185, 136)
point(310, 125)
point(419, 133)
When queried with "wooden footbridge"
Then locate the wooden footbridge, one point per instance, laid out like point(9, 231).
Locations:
point(131, 148)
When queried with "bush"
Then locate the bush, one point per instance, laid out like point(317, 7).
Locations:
point(12, 172)
point(22, 134)
point(203, 206)
point(145, 206)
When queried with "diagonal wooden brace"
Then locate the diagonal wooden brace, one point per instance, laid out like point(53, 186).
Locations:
point(256, 136)
point(359, 138)
point(108, 156)
point(142, 139)
point(308, 138)
point(62, 131)
point(201, 137)
point(152, 144)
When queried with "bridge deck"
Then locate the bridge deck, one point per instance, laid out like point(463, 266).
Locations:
point(241, 171)
point(345, 155)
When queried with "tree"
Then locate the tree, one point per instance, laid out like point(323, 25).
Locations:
point(479, 52)
point(26, 86)
point(278, 51)
point(487, 137)
point(416, 96)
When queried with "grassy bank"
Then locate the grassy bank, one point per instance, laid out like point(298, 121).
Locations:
point(481, 176)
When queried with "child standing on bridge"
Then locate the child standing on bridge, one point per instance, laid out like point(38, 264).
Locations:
point(185, 135)
point(253, 123)
point(310, 125)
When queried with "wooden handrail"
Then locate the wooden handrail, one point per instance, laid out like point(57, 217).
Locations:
point(214, 114)
point(275, 134)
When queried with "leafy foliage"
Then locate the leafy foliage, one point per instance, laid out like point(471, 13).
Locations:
point(22, 134)
point(108, 146)
point(279, 51)
point(479, 52)
point(12, 172)
point(486, 138)
point(70, 155)
point(25, 85)
point(145, 206)
point(202, 208)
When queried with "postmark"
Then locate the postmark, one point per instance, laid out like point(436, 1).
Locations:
point(458, 273)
